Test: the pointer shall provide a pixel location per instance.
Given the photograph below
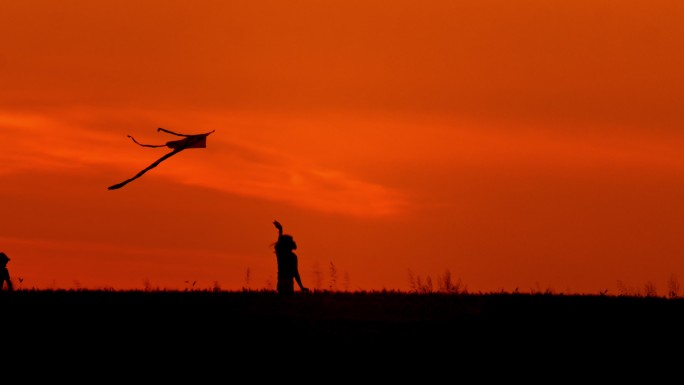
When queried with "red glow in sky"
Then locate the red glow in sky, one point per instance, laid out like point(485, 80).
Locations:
point(529, 146)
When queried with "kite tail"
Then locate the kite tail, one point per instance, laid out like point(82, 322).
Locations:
point(148, 168)
point(146, 145)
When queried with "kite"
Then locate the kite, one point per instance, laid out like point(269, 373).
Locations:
point(190, 141)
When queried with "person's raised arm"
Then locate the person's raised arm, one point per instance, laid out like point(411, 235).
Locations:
point(279, 227)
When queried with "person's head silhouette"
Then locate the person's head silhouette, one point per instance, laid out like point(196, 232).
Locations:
point(286, 242)
point(3, 259)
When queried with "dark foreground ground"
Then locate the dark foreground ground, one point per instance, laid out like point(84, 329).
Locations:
point(220, 329)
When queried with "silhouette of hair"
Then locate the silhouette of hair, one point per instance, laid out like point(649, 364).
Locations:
point(285, 243)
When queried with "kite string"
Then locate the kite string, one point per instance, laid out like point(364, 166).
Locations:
point(146, 145)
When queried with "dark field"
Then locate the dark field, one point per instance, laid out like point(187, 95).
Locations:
point(184, 327)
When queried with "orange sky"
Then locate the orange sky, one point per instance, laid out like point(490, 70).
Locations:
point(529, 145)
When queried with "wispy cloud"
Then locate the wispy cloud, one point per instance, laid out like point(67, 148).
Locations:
point(232, 165)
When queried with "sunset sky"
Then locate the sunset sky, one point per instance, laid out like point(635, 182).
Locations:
point(518, 145)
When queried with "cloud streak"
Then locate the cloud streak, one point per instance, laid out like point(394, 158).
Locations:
point(232, 166)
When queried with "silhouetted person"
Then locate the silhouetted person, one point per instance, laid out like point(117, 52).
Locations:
point(4, 272)
point(288, 271)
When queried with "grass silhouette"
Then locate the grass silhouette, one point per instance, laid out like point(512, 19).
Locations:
point(389, 333)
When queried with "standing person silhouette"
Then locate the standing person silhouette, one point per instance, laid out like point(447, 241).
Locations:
point(4, 272)
point(288, 271)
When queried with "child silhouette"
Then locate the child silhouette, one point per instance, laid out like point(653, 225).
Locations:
point(4, 272)
point(288, 271)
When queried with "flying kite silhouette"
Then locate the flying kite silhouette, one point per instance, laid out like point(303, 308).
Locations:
point(190, 141)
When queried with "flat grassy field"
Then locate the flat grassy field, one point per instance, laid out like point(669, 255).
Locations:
point(351, 314)
point(184, 327)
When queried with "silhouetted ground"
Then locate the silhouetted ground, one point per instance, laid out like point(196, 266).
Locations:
point(360, 328)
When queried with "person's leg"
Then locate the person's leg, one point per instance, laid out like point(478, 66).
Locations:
point(5, 277)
